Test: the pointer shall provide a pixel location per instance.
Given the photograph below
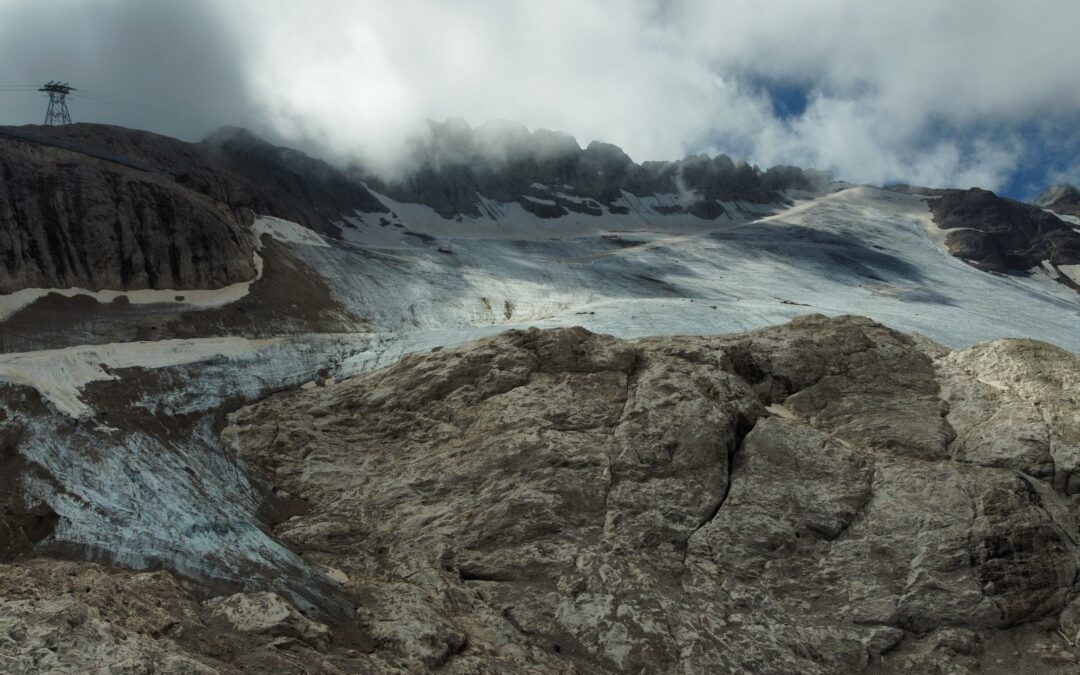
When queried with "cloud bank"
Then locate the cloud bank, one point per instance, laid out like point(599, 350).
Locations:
point(965, 92)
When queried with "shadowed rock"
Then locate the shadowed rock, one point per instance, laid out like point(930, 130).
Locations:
point(999, 235)
point(1060, 199)
point(68, 219)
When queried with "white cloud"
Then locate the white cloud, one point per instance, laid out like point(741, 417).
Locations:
point(664, 78)
point(917, 90)
point(1069, 175)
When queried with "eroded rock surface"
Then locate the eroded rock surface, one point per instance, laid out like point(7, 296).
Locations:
point(67, 220)
point(269, 614)
point(827, 496)
point(168, 215)
point(71, 617)
point(1016, 404)
point(792, 500)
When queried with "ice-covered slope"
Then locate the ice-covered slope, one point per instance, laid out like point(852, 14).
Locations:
point(125, 462)
point(859, 250)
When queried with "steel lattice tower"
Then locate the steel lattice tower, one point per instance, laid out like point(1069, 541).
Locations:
point(58, 110)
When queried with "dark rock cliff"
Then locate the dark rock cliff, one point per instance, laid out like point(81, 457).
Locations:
point(999, 234)
point(1061, 199)
point(71, 219)
point(550, 175)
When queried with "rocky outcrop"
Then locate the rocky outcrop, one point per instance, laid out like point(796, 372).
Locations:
point(70, 617)
point(269, 614)
point(1063, 199)
point(821, 497)
point(452, 167)
point(71, 221)
point(75, 617)
point(1015, 404)
point(998, 234)
point(920, 190)
point(181, 221)
point(236, 167)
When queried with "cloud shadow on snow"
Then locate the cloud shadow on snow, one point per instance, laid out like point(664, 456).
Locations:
point(830, 256)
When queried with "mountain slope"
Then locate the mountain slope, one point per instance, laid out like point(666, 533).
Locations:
point(113, 403)
point(69, 219)
point(549, 175)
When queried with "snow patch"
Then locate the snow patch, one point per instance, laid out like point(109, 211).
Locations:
point(281, 230)
point(1071, 271)
point(60, 374)
point(537, 200)
point(287, 232)
point(584, 201)
point(859, 250)
point(198, 298)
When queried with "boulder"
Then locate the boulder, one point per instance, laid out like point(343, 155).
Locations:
point(268, 613)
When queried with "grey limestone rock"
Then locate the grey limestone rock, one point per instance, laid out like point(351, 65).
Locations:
point(796, 499)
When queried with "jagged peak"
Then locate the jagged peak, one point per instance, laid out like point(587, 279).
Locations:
point(1062, 192)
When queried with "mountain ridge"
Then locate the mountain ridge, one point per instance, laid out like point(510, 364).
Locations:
point(504, 161)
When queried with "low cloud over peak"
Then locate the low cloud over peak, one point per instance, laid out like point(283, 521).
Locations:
point(969, 92)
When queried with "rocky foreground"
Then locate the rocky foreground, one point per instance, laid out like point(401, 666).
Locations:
point(827, 496)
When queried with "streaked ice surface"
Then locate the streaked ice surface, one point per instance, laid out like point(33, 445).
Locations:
point(857, 251)
point(157, 489)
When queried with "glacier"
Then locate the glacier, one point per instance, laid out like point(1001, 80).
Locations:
point(126, 432)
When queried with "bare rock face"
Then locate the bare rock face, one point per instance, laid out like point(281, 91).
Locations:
point(74, 617)
point(79, 618)
point(235, 167)
point(998, 234)
point(452, 165)
point(270, 614)
point(1060, 199)
point(1015, 404)
point(167, 215)
point(814, 498)
point(72, 221)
